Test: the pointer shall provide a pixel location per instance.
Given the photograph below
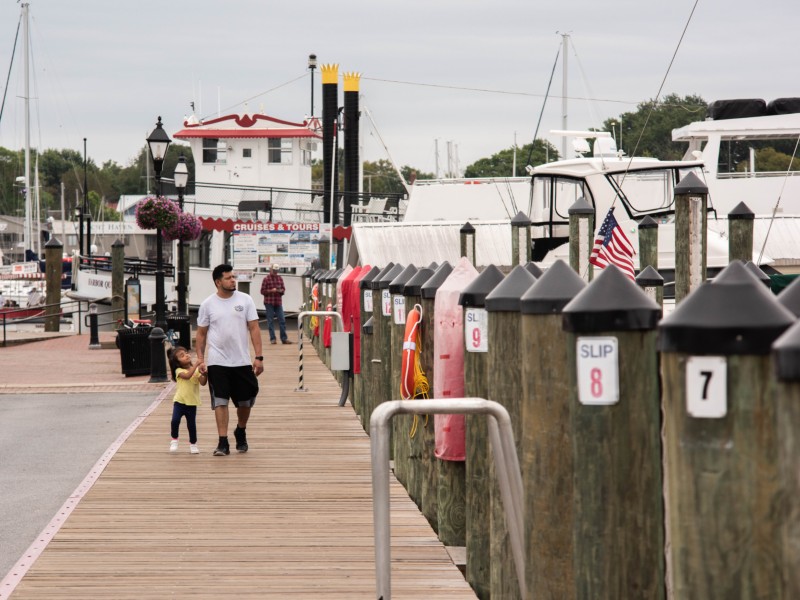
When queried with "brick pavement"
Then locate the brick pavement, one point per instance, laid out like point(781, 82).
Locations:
point(67, 365)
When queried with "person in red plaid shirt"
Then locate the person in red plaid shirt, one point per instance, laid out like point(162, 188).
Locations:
point(272, 288)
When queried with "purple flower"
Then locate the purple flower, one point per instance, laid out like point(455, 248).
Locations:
point(156, 212)
point(187, 227)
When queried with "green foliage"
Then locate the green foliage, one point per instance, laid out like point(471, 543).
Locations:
point(661, 118)
point(502, 163)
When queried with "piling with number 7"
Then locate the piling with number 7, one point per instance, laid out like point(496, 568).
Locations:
point(616, 451)
point(724, 490)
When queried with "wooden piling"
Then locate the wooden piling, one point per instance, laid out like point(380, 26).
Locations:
point(477, 476)
point(740, 233)
point(401, 424)
point(53, 271)
point(618, 536)
point(430, 471)
point(581, 234)
point(786, 360)
point(723, 483)
point(361, 379)
point(648, 256)
point(691, 201)
point(652, 284)
point(520, 239)
point(118, 279)
point(375, 391)
point(505, 388)
point(545, 443)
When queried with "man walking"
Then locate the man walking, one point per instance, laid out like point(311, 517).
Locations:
point(272, 288)
point(225, 321)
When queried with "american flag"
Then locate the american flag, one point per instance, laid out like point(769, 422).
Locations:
point(612, 247)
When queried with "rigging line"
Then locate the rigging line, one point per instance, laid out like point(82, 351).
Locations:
point(585, 80)
point(541, 112)
point(10, 65)
point(655, 101)
point(491, 91)
point(277, 87)
point(780, 195)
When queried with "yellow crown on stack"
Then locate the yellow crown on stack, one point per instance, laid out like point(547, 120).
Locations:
point(330, 73)
point(351, 80)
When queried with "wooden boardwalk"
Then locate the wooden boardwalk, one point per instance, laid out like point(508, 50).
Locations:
point(290, 519)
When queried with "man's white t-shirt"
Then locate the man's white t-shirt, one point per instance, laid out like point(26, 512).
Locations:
point(228, 336)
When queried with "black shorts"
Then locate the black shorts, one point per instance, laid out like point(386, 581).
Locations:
point(238, 384)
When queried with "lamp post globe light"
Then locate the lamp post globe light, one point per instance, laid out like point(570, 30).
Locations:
point(158, 142)
point(181, 179)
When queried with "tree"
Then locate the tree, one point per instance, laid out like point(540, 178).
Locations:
point(661, 118)
point(769, 159)
point(501, 163)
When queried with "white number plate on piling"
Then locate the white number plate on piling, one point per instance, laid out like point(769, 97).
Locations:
point(386, 303)
point(598, 370)
point(707, 387)
point(399, 303)
point(476, 330)
point(367, 300)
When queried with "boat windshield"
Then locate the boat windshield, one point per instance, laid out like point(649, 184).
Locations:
point(552, 197)
point(650, 190)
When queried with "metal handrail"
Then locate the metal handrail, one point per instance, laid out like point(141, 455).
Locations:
point(509, 477)
point(44, 308)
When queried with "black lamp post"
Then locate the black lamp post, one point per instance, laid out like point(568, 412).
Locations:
point(181, 178)
point(312, 64)
point(158, 142)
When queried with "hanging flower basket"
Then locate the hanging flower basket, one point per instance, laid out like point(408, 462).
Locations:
point(186, 228)
point(156, 212)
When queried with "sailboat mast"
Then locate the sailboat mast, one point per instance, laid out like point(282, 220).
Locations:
point(28, 228)
point(565, 47)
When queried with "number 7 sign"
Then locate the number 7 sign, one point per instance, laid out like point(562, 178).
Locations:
point(707, 387)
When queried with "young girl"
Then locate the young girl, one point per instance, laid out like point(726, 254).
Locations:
point(187, 396)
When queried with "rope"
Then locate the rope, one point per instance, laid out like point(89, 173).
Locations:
point(421, 385)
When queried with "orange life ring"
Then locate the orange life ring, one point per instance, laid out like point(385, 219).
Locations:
point(410, 343)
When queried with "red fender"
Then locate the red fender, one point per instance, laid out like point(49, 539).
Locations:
point(326, 329)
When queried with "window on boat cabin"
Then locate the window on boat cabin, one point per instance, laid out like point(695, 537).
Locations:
point(210, 150)
point(200, 251)
point(306, 157)
point(565, 193)
point(280, 151)
point(651, 190)
point(247, 153)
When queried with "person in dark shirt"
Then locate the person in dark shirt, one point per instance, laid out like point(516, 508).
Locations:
point(272, 288)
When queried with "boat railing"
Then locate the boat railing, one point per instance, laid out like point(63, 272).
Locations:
point(296, 205)
point(756, 174)
point(133, 266)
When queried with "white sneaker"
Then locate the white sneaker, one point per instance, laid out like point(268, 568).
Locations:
point(194, 449)
point(173, 446)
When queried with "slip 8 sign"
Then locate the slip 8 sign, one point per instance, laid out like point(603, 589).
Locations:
point(598, 370)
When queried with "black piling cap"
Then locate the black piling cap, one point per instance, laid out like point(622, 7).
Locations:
point(334, 276)
point(534, 270)
point(786, 354)
point(467, 228)
point(520, 220)
point(53, 242)
point(367, 326)
point(414, 285)
point(762, 277)
point(383, 282)
point(439, 276)
point(649, 278)
point(323, 278)
point(611, 302)
point(506, 295)
point(433, 266)
point(552, 291)
point(372, 284)
point(397, 284)
point(691, 184)
point(366, 279)
point(580, 207)
point(790, 297)
point(735, 314)
point(648, 223)
point(475, 293)
point(741, 212)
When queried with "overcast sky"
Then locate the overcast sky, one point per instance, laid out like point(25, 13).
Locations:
point(105, 70)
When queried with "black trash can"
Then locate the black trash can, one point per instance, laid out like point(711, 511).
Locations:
point(182, 327)
point(134, 350)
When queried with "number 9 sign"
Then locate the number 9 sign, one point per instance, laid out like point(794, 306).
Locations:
point(476, 329)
